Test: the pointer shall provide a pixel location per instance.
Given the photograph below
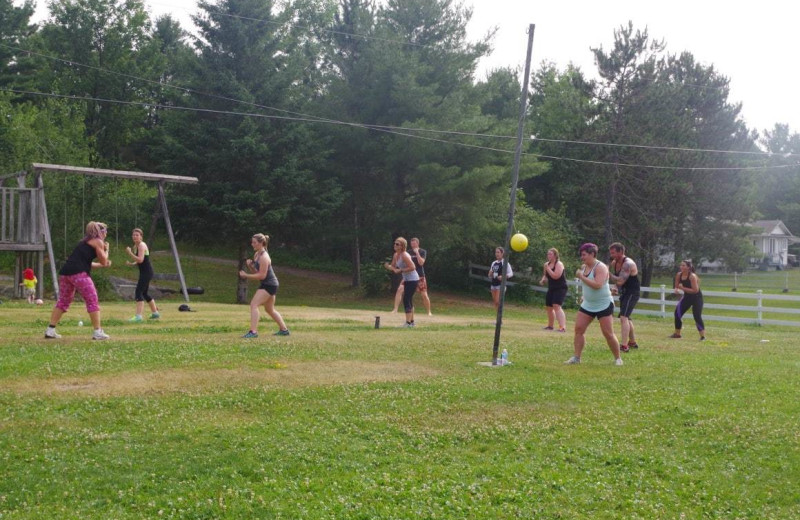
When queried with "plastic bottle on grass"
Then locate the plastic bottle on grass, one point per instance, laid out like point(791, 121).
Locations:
point(504, 357)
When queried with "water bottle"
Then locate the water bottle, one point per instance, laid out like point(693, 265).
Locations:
point(504, 357)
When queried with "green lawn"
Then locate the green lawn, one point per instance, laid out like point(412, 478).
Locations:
point(183, 419)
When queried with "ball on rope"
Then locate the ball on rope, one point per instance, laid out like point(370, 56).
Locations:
point(519, 242)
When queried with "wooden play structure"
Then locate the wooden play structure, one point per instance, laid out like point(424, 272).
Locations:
point(25, 228)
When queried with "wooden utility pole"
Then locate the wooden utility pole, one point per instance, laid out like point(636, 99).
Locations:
point(523, 106)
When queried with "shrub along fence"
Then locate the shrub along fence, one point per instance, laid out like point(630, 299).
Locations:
point(765, 308)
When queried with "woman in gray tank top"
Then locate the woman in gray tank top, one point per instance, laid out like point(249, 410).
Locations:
point(403, 264)
point(260, 268)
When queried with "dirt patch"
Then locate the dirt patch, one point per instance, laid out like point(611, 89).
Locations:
point(277, 374)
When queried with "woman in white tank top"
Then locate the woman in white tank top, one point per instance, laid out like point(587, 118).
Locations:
point(403, 264)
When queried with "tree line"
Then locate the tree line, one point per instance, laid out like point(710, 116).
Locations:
point(336, 125)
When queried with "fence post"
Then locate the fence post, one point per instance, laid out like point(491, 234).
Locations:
point(759, 305)
point(663, 301)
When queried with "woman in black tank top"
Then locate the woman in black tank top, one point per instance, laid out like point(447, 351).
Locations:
point(553, 275)
point(74, 276)
point(140, 256)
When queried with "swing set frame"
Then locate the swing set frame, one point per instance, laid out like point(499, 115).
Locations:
point(32, 232)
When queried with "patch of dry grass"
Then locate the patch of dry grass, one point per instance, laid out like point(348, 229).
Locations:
point(275, 374)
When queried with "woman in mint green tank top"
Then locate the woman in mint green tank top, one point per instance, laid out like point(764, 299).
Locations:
point(597, 303)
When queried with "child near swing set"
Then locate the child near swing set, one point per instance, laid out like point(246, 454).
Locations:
point(28, 284)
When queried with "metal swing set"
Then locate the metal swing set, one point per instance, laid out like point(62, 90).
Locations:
point(25, 228)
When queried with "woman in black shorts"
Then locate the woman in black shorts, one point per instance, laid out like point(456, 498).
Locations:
point(597, 303)
point(556, 282)
point(261, 269)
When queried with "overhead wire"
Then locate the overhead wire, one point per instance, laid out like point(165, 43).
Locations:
point(322, 29)
point(390, 130)
point(386, 128)
point(400, 133)
point(666, 148)
point(377, 127)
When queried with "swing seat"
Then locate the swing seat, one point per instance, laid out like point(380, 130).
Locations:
point(195, 290)
point(166, 276)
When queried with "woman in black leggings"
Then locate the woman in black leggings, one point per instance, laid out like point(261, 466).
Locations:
point(140, 257)
point(687, 284)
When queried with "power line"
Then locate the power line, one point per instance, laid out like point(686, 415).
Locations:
point(380, 127)
point(152, 82)
point(671, 168)
point(307, 28)
point(400, 133)
point(250, 114)
point(665, 148)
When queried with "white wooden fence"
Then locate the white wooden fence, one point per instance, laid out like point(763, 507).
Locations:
point(665, 307)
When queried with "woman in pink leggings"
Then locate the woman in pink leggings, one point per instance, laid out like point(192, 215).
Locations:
point(74, 276)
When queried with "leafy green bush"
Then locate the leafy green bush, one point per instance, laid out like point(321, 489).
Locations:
point(375, 280)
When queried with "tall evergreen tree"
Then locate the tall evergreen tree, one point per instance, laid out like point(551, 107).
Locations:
point(101, 48)
point(257, 173)
point(626, 72)
point(15, 28)
point(648, 99)
point(412, 67)
point(779, 188)
point(696, 211)
point(562, 107)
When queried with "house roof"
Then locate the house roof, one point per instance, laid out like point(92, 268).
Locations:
point(769, 227)
point(773, 228)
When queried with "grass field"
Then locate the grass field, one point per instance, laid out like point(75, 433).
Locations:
point(181, 418)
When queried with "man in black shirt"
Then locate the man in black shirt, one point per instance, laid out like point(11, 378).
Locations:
point(624, 274)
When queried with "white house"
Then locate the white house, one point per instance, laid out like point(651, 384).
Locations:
point(772, 239)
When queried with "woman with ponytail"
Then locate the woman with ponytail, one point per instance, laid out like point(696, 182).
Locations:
point(687, 285)
point(260, 268)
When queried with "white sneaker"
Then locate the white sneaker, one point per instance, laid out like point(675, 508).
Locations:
point(573, 361)
point(99, 335)
point(51, 334)
point(618, 362)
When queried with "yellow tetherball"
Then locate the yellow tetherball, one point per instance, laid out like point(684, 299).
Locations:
point(519, 242)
